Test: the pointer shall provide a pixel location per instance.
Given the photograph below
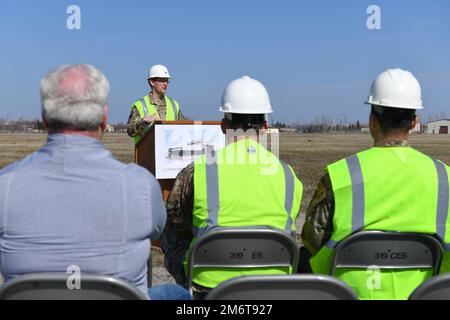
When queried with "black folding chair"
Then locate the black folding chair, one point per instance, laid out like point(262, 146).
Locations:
point(283, 287)
point(248, 248)
point(54, 286)
point(388, 250)
point(436, 288)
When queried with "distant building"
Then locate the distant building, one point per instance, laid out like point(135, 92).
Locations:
point(417, 128)
point(109, 128)
point(365, 130)
point(439, 126)
point(273, 130)
point(287, 129)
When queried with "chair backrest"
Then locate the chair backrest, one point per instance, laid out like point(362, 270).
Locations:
point(242, 248)
point(388, 250)
point(283, 287)
point(54, 286)
point(436, 288)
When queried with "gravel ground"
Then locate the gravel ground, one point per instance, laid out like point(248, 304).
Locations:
point(159, 273)
point(161, 276)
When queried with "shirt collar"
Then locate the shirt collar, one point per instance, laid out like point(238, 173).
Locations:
point(73, 139)
point(392, 143)
point(153, 101)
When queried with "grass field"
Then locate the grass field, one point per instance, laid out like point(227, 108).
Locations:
point(308, 154)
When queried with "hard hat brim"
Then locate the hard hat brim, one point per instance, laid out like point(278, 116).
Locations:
point(160, 77)
point(392, 105)
point(243, 112)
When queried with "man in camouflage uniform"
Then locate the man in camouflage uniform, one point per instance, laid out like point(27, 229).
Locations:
point(389, 128)
point(389, 187)
point(155, 106)
point(179, 233)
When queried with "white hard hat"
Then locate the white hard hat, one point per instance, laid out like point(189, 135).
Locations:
point(247, 96)
point(158, 71)
point(396, 88)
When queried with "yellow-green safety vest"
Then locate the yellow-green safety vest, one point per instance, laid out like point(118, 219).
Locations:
point(146, 108)
point(245, 186)
point(389, 189)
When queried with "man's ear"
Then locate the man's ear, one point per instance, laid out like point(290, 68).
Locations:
point(373, 121)
point(414, 122)
point(224, 125)
point(265, 125)
point(104, 118)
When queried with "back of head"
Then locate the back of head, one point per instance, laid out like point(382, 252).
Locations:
point(395, 95)
point(246, 102)
point(393, 119)
point(73, 98)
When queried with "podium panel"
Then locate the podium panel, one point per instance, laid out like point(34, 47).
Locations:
point(169, 146)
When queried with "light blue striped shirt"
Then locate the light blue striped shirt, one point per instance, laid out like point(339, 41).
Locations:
point(73, 203)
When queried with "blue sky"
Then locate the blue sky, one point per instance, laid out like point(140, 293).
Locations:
point(314, 57)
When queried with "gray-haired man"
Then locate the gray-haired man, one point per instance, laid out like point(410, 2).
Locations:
point(71, 203)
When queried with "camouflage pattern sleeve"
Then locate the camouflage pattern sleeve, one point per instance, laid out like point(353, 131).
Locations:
point(177, 234)
point(135, 124)
point(318, 225)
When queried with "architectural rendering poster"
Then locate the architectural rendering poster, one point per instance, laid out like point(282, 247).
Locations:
point(178, 145)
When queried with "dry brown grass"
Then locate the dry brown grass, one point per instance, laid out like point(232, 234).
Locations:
point(16, 146)
point(308, 154)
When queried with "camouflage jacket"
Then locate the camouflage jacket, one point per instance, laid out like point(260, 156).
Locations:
point(177, 234)
point(318, 226)
point(136, 125)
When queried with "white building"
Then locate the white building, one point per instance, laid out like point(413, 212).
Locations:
point(417, 128)
point(365, 130)
point(109, 128)
point(439, 127)
point(286, 129)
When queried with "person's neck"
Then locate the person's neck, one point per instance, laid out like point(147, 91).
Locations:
point(233, 138)
point(92, 134)
point(157, 96)
point(394, 136)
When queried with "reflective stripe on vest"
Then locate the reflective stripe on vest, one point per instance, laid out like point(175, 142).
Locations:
point(212, 191)
point(144, 106)
point(443, 200)
point(171, 102)
point(354, 167)
point(289, 194)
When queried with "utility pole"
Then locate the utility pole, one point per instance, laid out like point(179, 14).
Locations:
point(7, 123)
point(345, 120)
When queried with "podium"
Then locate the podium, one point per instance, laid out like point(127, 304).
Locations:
point(145, 152)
